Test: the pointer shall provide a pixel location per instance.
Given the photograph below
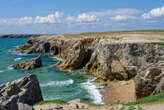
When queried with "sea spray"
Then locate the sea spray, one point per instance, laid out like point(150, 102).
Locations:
point(17, 59)
point(57, 83)
point(93, 91)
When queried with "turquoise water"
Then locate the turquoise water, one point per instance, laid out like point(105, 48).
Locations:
point(55, 84)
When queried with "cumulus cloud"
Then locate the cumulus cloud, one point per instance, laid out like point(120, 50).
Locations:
point(154, 13)
point(50, 18)
point(123, 18)
point(103, 16)
point(25, 20)
point(70, 19)
point(124, 11)
point(84, 17)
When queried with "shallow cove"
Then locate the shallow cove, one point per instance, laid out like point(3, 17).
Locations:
point(55, 84)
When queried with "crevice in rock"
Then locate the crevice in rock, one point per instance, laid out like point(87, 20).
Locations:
point(46, 47)
point(87, 57)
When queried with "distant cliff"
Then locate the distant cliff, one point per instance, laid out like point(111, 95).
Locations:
point(17, 35)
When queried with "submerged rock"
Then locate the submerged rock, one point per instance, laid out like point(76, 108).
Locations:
point(20, 94)
point(150, 81)
point(31, 64)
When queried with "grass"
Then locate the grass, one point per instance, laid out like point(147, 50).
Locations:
point(156, 43)
point(112, 32)
point(158, 98)
point(51, 101)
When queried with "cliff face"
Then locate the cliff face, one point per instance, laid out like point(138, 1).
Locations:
point(20, 94)
point(108, 59)
point(122, 61)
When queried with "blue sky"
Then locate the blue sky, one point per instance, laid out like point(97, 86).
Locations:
point(71, 16)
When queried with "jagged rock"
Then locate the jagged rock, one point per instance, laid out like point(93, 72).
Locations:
point(31, 64)
point(107, 59)
point(20, 94)
point(150, 81)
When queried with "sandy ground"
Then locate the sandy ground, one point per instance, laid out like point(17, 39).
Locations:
point(153, 106)
point(122, 91)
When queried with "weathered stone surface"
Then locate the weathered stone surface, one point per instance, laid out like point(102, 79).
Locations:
point(107, 59)
point(150, 81)
point(20, 94)
point(31, 64)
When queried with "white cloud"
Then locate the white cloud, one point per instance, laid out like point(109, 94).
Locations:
point(70, 19)
point(123, 18)
point(84, 17)
point(154, 13)
point(124, 11)
point(25, 20)
point(51, 18)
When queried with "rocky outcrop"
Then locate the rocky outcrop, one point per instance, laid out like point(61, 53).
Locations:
point(108, 59)
point(20, 94)
point(121, 61)
point(31, 64)
point(150, 81)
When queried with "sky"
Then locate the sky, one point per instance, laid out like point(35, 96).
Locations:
point(74, 16)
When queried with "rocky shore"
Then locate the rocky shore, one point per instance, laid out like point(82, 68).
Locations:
point(109, 56)
point(31, 64)
point(20, 94)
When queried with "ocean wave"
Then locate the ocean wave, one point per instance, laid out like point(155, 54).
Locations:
point(59, 59)
point(17, 59)
point(1, 71)
point(93, 91)
point(57, 83)
point(10, 67)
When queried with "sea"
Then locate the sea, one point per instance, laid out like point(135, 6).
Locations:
point(55, 84)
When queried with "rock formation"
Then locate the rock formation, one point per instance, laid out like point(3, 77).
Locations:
point(31, 64)
point(20, 94)
point(107, 58)
point(150, 81)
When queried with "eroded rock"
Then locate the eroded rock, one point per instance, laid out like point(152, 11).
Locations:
point(31, 64)
point(20, 94)
point(150, 81)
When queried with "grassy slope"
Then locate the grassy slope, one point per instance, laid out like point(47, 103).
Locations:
point(114, 32)
point(158, 98)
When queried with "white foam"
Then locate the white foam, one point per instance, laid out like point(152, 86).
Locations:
point(59, 59)
point(17, 59)
point(10, 67)
point(1, 71)
point(57, 83)
point(93, 91)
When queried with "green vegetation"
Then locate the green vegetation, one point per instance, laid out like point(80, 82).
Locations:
point(158, 98)
point(25, 87)
point(115, 38)
point(51, 101)
point(112, 32)
point(156, 43)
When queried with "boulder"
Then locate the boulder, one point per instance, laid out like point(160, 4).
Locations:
point(31, 64)
point(20, 94)
point(150, 81)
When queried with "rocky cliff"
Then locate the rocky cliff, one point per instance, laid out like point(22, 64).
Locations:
point(20, 94)
point(109, 57)
point(17, 35)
